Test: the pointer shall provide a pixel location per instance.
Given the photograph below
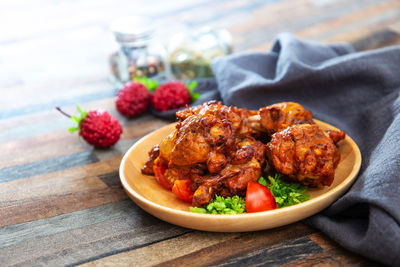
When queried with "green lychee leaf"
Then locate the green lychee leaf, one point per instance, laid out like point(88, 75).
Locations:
point(75, 119)
point(195, 96)
point(82, 112)
point(73, 129)
point(150, 84)
point(191, 86)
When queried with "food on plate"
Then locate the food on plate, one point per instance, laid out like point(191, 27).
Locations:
point(305, 154)
point(259, 198)
point(148, 167)
point(278, 117)
point(284, 194)
point(223, 205)
point(239, 118)
point(223, 151)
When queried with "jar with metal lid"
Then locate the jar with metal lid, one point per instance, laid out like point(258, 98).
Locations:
point(140, 53)
point(191, 51)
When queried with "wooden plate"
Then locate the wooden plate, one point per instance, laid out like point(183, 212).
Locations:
point(153, 198)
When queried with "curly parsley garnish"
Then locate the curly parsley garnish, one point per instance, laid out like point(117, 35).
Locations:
point(285, 193)
point(223, 205)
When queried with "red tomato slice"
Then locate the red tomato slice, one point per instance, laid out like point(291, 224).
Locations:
point(159, 170)
point(259, 198)
point(181, 190)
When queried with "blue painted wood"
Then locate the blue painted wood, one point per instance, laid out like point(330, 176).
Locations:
point(84, 98)
point(47, 165)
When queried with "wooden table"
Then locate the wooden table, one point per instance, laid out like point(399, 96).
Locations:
point(61, 201)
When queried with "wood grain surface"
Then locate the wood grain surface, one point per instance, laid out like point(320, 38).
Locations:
point(61, 202)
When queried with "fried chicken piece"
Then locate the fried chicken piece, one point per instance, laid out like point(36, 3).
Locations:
point(258, 147)
point(277, 117)
point(197, 136)
point(305, 154)
point(245, 166)
point(175, 172)
point(336, 136)
point(241, 175)
point(219, 148)
point(216, 161)
point(203, 194)
point(148, 166)
point(231, 181)
point(237, 116)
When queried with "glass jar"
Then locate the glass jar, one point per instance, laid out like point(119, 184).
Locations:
point(191, 52)
point(140, 53)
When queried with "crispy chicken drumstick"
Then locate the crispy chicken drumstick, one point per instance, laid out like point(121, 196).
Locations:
point(304, 153)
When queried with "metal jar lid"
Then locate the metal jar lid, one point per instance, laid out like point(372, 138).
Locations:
point(132, 29)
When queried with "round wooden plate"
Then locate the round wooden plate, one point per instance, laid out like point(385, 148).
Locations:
point(153, 198)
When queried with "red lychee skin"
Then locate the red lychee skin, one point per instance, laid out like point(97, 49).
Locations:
point(133, 99)
point(171, 95)
point(100, 129)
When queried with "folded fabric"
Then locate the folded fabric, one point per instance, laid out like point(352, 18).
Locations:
point(358, 93)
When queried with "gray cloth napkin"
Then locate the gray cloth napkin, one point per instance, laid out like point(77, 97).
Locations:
point(358, 93)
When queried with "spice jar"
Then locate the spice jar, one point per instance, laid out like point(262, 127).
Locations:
point(140, 53)
point(191, 52)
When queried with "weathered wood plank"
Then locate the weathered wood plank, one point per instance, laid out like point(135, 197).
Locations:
point(82, 235)
point(53, 205)
point(64, 96)
point(165, 250)
point(87, 71)
point(361, 27)
point(45, 146)
point(241, 246)
point(252, 24)
point(293, 19)
point(62, 182)
point(57, 193)
point(332, 255)
point(47, 165)
point(203, 248)
point(369, 16)
point(266, 16)
point(26, 126)
point(382, 38)
point(224, 13)
point(105, 12)
point(276, 255)
point(46, 121)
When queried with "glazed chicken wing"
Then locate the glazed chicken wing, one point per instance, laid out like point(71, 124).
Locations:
point(238, 117)
point(148, 166)
point(243, 165)
point(196, 137)
point(304, 153)
point(277, 117)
